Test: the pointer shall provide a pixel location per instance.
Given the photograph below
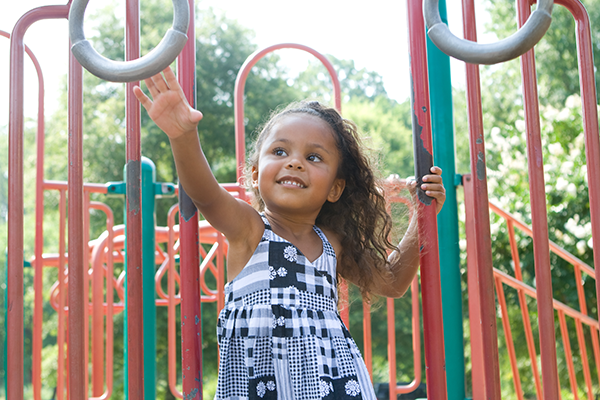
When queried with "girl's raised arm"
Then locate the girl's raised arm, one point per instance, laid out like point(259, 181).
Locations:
point(404, 261)
point(170, 110)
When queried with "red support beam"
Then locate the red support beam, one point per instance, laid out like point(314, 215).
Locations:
point(481, 221)
point(477, 360)
point(15, 197)
point(191, 327)
point(539, 217)
point(135, 338)
point(587, 84)
point(433, 325)
point(76, 243)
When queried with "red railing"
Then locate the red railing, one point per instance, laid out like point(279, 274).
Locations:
point(580, 317)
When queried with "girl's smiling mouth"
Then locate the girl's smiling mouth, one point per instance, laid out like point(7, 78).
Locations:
point(287, 180)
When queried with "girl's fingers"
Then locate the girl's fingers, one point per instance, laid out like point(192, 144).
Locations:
point(142, 98)
point(435, 195)
point(151, 87)
point(160, 83)
point(171, 78)
point(432, 178)
point(433, 187)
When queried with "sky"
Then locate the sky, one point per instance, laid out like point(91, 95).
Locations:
point(373, 34)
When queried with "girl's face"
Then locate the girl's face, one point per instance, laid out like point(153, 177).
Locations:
point(298, 165)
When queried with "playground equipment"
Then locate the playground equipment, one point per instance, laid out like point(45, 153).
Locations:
point(135, 70)
point(482, 277)
point(472, 52)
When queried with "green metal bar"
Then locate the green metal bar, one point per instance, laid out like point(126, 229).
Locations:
point(150, 189)
point(444, 157)
point(149, 266)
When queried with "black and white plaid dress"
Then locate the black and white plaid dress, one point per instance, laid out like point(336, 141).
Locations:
point(280, 334)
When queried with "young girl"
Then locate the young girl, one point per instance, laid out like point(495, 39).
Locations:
point(319, 215)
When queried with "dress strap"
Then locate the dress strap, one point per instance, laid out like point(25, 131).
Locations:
point(327, 247)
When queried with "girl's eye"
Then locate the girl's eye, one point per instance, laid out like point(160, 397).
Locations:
point(314, 158)
point(279, 152)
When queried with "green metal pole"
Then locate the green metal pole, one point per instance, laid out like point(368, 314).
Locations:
point(149, 266)
point(444, 157)
point(149, 190)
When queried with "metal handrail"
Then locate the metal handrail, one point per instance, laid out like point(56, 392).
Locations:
point(489, 53)
point(129, 71)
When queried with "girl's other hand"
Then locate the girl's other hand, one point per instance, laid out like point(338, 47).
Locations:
point(169, 108)
point(432, 186)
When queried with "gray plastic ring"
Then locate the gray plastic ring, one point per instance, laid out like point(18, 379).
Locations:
point(477, 53)
point(130, 71)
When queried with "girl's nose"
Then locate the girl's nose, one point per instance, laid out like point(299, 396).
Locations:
point(295, 164)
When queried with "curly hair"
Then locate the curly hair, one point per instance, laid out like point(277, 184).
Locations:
point(359, 217)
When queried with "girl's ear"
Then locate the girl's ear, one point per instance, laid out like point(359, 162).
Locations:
point(254, 176)
point(336, 190)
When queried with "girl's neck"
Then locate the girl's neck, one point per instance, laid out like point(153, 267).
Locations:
point(290, 226)
point(298, 231)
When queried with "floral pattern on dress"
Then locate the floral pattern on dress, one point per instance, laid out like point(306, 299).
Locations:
point(278, 321)
point(272, 273)
point(352, 388)
point(290, 253)
point(325, 388)
point(261, 388)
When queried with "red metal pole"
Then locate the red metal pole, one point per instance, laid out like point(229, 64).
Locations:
point(172, 363)
point(539, 217)
point(568, 354)
point(76, 242)
point(367, 340)
point(39, 231)
point(98, 327)
point(481, 220)
point(587, 83)
point(477, 357)
point(191, 328)
point(433, 325)
point(510, 344)
point(39, 237)
point(15, 198)
point(135, 339)
point(238, 94)
point(103, 253)
point(86, 282)
point(524, 310)
point(62, 298)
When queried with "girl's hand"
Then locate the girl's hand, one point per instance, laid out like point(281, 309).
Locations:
point(169, 108)
point(432, 186)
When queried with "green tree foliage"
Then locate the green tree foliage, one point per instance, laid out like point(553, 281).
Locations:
point(556, 54)
point(354, 83)
point(387, 131)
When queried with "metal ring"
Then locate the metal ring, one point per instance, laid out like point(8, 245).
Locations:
point(129, 71)
point(477, 53)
